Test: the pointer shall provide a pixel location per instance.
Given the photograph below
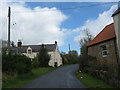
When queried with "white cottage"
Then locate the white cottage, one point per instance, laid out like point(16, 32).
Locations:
point(31, 51)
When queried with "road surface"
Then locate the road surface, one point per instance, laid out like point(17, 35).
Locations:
point(63, 77)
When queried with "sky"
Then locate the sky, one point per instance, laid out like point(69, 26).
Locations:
point(46, 22)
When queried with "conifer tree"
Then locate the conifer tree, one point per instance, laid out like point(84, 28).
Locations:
point(43, 57)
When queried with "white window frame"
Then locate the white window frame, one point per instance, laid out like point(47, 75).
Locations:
point(29, 50)
point(103, 51)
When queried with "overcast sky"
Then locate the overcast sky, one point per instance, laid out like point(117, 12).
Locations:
point(43, 22)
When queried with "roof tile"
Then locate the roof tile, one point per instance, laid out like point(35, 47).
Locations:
point(35, 48)
point(107, 33)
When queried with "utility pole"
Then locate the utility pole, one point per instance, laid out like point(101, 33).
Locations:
point(70, 58)
point(9, 15)
point(69, 49)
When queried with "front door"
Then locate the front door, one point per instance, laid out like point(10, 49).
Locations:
point(55, 64)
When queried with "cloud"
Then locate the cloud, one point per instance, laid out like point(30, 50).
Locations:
point(96, 25)
point(34, 26)
point(64, 0)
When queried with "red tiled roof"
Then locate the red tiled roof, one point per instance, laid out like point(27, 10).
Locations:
point(107, 33)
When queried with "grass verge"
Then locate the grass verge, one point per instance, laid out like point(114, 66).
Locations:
point(20, 80)
point(92, 82)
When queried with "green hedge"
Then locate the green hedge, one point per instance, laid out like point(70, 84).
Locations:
point(15, 64)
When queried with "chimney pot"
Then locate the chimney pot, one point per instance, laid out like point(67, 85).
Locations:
point(56, 42)
point(19, 43)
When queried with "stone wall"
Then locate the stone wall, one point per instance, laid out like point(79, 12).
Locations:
point(110, 59)
point(109, 75)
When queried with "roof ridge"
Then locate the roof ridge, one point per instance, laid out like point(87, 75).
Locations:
point(38, 45)
point(102, 30)
point(94, 40)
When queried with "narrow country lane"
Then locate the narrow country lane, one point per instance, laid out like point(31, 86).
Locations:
point(63, 77)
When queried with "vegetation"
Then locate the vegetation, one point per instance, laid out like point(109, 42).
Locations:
point(84, 61)
point(85, 40)
point(20, 69)
point(43, 57)
point(4, 46)
point(94, 67)
point(15, 64)
point(92, 82)
point(70, 58)
point(20, 80)
point(73, 56)
point(91, 66)
point(35, 63)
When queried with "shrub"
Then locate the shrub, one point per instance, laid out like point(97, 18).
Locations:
point(70, 58)
point(35, 63)
point(16, 63)
point(84, 61)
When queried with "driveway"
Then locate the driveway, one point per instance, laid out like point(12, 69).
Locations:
point(63, 77)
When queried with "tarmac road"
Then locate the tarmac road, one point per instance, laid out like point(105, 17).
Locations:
point(63, 77)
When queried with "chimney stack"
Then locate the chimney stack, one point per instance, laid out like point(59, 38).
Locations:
point(19, 43)
point(55, 42)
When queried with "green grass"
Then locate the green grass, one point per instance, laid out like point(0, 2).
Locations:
point(92, 82)
point(20, 80)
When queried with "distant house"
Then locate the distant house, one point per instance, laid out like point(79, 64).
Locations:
point(104, 46)
point(31, 51)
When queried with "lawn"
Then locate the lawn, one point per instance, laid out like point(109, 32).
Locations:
point(92, 82)
point(20, 80)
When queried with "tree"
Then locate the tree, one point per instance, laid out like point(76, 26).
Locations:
point(62, 54)
point(4, 45)
point(74, 53)
point(71, 57)
point(5, 42)
point(65, 57)
point(43, 57)
point(12, 44)
point(85, 40)
point(84, 58)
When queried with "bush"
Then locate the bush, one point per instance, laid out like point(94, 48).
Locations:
point(107, 73)
point(35, 63)
point(70, 58)
point(16, 64)
point(84, 61)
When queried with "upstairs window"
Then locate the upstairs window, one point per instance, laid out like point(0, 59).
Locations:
point(104, 50)
point(29, 51)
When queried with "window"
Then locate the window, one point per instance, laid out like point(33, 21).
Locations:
point(104, 50)
point(29, 51)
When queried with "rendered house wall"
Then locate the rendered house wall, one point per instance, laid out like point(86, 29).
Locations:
point(116, 19)
point(54, 57)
